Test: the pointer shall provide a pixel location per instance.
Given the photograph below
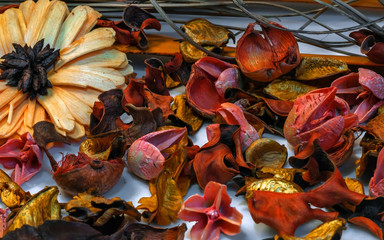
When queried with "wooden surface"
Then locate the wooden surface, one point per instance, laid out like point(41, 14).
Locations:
point(361, 3)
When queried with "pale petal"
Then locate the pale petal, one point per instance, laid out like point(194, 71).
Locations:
point(79, 110)
point(7, 95)
point(4, 35)
point(78, 78)
point(104, 58)
point(40, 114)
point(12, 26)
point(92, 16)
point(78, 132)
point(15, 103)
point(87, 95)
point(8, 129)
point(30, 113)
point(57, 110)
point(127, 70)
point(3, 85)
point(26, 8)
point(54, 18)
point(98, 39)
point(36, 21)
point(23, 24)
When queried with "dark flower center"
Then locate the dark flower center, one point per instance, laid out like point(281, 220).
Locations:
point(26, 68)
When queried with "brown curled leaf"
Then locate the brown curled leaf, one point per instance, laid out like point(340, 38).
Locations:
point(159, 101)
point(287, 90)
point(134, 93)
point(44, 132)
point(370, 43)
point(41, 207)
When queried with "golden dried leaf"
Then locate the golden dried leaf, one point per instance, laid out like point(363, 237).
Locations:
point(354, 185)
point(312, 68)
point(41, 207)
point(204, 32)
point(266, 152)
point(287, 90)
point(11, 194)
point(85, 199)
point(272, 185)
point(97, 148)
point(192, 54)
point(170, 83)
point(284, 173)
point(376, 126)
point(326, 231)
point(185, 113)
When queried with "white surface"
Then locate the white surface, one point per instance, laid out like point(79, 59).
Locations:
point(130, 188)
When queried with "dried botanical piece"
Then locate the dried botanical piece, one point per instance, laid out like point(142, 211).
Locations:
point(266, 152)
point(212, 212)
point(185, 113)
point(266, 58)
point(145, 157)
point(209, 79)
point(273, 185)
point(376, 184)
point(234, 115)
point(147, 232)
point(315, 115)
point(105, 215)
point(287, 90)
point(376, 126)
point(206, 34)
point(288, 174)
point(23, 155)
point(331, 230)
point(370, 43)
point(371, 146)
point(312, 68)
point(54, 59)
point(363, 90)
point(41, 207)
point(11, 194)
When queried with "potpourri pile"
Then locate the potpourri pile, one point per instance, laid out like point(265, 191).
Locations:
point(63, 79)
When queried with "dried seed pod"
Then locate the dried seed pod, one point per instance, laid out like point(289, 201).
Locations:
point(266, 152)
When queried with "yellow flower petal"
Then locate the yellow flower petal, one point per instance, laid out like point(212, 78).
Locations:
point(7, 95)
point(12, 26)
point(26, 8)
point(36, 21)
point(87, 95)
point(92, 16)
point(111, 58)
point(78, 132)
point(29, 114)
point(8, 129)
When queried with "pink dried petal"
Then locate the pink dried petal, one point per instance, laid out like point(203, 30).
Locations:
point(212, 212)
point(23, 155)
point(367, 108)
point(376, 185)
point(213, 66)
point(229, 78)
point(372, 81)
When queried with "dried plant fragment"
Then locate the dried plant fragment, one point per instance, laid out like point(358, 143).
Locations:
point(105, 215)
point(207, 35)
point(376, 184)
point(41, 207)
point(287, 90)
point(331, 230)
point(312, 68)
point(266, 152)
point(145, 157)
point(185, 113)
point(212, 212)
point(272, 185)
point(145, 232)
point(11, 194)
point(23, 155)
point(209, 79)
point(265, 58)
point(370, 43)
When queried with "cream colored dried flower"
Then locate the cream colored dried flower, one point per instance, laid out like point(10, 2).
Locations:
point(39, 83)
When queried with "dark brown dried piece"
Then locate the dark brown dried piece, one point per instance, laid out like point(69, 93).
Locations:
point(26, 68)
point(266, 152)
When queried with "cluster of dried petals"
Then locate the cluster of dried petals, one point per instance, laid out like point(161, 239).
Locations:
point(23, 155)
point(318, 114)
point(87, 66)
point(145, 157)
point(212, 212)
point(267, 58)
point(363, 90)
point(209, 79)
point(376, 185)
point(234, 115)
point(130, 31)
point(371, 44)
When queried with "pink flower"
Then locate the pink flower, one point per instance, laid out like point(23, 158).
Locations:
point(23, 155)
point(212, 212)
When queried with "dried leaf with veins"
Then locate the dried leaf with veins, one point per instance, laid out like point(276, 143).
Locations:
point(287, 90)
point(319, 68)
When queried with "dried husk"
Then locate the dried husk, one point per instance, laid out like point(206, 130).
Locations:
point(273, 185)
point(11, 194)
point(266, 152)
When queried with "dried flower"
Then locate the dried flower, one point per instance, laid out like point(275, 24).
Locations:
point(212, 212)
point(81, 67)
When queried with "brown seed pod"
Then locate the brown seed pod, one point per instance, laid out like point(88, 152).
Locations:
point(266, 152)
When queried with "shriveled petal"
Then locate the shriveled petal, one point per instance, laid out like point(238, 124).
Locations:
point(372, 81)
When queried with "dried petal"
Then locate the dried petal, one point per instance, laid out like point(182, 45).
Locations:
point(376, 185)
point(312, 68)
point(265, 152)
point(287, 90)
point(272, 185)
point(11, 194)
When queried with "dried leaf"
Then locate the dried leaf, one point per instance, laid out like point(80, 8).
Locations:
point(41, 207)
point(272, 185)
point(287, 90)
point(137, 231)
point(312, 68)
point(11, 194)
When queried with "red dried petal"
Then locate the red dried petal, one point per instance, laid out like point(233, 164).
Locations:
point(159, 101)
point(376, 185)
point(369, 224)
point(134, 93)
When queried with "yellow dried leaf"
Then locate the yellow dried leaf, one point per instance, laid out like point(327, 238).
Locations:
point(284, 173)
point(312, 68)
point(41, 207)
point(11, 194)
point(97, 148)
point(272, 185)
point(287, 90)
point(185, 113)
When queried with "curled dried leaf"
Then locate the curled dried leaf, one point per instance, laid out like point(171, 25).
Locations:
point(312, 68)
point(11, 194)
point(272, 185)
point(266, 152)
point(41, 207)
point(287, 90)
